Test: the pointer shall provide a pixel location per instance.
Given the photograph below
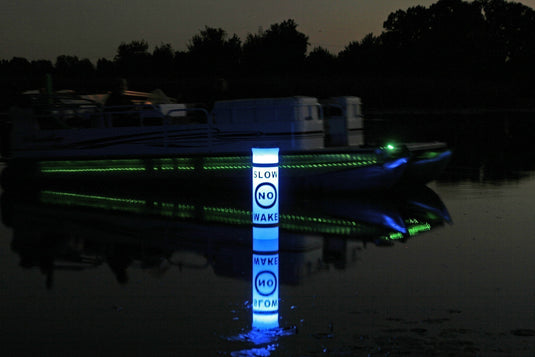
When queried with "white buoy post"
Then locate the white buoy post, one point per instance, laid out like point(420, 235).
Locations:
point(265, 202)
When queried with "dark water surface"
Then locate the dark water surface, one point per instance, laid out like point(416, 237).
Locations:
point(102, 280)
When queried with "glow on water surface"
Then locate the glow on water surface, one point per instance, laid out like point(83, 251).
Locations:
point(460, 289)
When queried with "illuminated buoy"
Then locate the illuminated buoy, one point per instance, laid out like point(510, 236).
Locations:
point(265, 186)
point(265, 202)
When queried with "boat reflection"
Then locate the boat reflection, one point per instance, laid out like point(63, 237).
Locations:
point(56, 230)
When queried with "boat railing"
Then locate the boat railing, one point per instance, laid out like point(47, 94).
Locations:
point(63, 112)
point(209, 119)
point(202, 111)
point(151, 115)
point(129, 116)
point(80, 113)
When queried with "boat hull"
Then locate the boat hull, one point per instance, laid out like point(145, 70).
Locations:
point(427, 162)
point(328, 170)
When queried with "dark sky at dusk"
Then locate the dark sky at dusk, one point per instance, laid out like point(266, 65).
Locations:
point(94, 29)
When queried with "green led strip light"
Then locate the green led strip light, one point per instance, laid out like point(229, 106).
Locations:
point(227, 163)
point(179, 163)
point(126, 165)
point(92, 166)
point(172, 210)
point(303, 161)
point(312, 161)
point(95, 201)
point(289, 222)
point(324, 225)
point(414, 227)
point(394, 236)
point(117, 204)
point(325, 158)
point(227, 215)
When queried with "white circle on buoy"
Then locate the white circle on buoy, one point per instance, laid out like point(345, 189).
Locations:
point(265, 283)
point(265, 195)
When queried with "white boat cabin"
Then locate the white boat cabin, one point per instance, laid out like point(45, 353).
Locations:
point(343, 121)
point(290, 122)
point(81, 127)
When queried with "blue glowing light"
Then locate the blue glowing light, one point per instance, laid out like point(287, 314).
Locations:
point(265, 191)
point(265, 156)
point(265, 218)
point(397, 226)
point(396, 163)
point(266, 239)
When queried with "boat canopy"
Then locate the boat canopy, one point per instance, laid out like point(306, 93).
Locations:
point(261, 110)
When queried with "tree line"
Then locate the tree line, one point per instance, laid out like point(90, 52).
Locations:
point(481, 39)
point(281, 48)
